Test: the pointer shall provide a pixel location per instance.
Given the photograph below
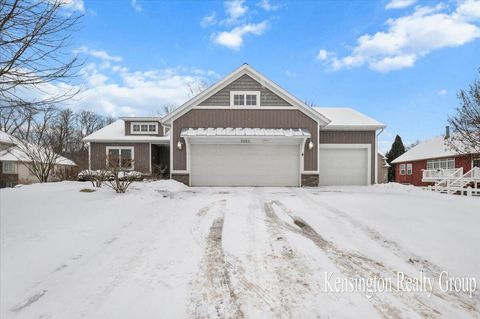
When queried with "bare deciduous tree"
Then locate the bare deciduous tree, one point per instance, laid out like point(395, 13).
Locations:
point(63, 131)
point(196, 88)
point(34, 38)
point(89, 122)
point(40, 161)
point(122, 175)
point(465, 123)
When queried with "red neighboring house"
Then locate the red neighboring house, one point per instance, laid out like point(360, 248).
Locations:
point(431, 161)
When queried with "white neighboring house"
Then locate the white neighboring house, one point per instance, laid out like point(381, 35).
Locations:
point(14, 164)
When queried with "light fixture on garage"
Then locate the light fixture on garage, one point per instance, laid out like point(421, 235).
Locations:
point(179, 145)
point(310, 145)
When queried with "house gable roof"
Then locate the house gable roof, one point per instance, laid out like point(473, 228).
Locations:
point(345, 118)
point(436, 147)
point(115, 132)
point(16, 153)
point(245, 69)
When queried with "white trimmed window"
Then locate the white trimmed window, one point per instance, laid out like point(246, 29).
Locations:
point(245, 98)
point(444, 163)
point(9, 168)
point(409, 169)
point(143, 128)
point(402, 169)
point(120, 156)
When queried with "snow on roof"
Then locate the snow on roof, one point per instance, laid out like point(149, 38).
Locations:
point(116, 132)
point(6, 138)
point(384, 158)
point(433, 148)
point(345, 118)
point(16, 154)
point(229, 131)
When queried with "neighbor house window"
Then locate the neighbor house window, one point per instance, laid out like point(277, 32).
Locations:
point(143, 128)
point(9, 167)
point(402, 169)
point(120, 157)
point(244, 98)
point(444, 163)
point(409, 169)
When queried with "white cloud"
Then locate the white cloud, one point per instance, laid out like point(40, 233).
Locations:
point(136, 5)
point(234, 39)
point(469, 9)
point(75, 5)
point(119, 91)
point(393, 63)
point(235, 9)
point(290, 73)
point(399, 4)
point(442, 92)
point(267, 5)
point(209, 20)
point(100, 54)
point(413, 36)
point(135, 93)
point(322, 55)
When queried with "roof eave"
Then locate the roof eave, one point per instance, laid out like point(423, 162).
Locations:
point(123, 140)
point(353, 127)
point(246, 69)
point(141, 118)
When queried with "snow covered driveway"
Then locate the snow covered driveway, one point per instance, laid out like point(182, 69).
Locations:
point(167, 251)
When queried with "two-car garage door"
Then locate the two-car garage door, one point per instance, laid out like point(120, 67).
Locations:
point(275, 165)
point(344, 166)
point(245, 164)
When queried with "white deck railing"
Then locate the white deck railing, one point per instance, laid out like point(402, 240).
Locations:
point(431, 175)
point(467, 183)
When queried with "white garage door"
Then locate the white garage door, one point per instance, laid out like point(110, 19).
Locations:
point(244, 165)
point(343, 166)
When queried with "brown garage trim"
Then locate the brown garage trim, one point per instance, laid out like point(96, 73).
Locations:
point(182, 178)
point(310, 180)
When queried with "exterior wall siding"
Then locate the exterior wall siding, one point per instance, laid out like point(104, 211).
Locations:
point(351, 137)
point(464, 161)
point(98, 155)
point(182, 178)
point(244, 83)
point(382, 170)
point(7, 179)
point(128, 132)
point(198, 118)
point(310, 180)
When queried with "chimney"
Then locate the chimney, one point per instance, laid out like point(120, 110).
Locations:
point(447, 132)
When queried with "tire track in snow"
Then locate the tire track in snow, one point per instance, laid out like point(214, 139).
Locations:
point(196, 228)
point(354, 265)
point(215, 295)
point(293, 275)
point(430, 269)
point(425, 265)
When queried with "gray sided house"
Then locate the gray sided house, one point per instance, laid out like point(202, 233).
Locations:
point(245, 130)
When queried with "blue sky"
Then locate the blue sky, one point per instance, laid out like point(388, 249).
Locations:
point(401, 62)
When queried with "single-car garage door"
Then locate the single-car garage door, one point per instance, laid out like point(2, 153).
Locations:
point(244, 165)
point(344, 166)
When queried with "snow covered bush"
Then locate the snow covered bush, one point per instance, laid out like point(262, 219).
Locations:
point(96, 177)
point(123, 176)
point(136, 176)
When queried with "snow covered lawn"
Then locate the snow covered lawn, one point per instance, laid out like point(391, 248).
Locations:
point(167, 251)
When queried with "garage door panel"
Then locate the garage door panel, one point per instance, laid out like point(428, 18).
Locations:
point(244, 165)
point(343, 166)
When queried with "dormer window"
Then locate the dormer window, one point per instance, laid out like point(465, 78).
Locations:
point(245, 98)
point(144, 128)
